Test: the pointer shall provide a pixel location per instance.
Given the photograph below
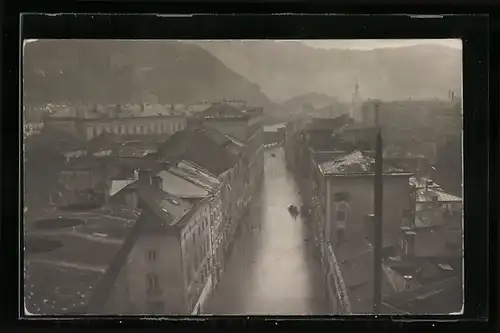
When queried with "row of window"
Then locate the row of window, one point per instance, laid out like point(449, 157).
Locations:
point(153, 128)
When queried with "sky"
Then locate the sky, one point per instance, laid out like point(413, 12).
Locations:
point(367, 44)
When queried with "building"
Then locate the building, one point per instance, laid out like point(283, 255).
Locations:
point(128, 121)
point(242, 126)
point(169, 267)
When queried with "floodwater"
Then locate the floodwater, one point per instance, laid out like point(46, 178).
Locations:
point(271, 270)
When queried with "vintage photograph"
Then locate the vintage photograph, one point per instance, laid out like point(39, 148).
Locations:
point(242, 177)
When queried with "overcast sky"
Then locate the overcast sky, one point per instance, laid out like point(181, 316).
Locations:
point(367, 44)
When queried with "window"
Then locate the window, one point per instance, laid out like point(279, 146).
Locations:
point(157, 307)
point(151, 255)
point(122, 129)
point(341, 215)
point(152, 283)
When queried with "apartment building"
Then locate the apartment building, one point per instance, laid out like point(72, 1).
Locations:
point(127, 121)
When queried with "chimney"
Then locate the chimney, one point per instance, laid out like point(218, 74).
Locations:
point(369, 225)
point(145, 176)
point(409, 239)
point(157, 182)
point(136, 175)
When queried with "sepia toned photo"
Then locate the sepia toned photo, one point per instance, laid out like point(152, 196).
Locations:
point(242, 177)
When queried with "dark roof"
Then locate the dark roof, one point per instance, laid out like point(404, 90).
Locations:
point(355, 258)
point(197, 146)
point(103, 141)
point(221, 111)
point(84, 163)
point(55, 139)
point(328, 124)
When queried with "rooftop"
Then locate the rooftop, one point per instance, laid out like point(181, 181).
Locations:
point(354, 163)
point(68, 253)
point(115, 111)
point(180, 186)
point(221, 110)
point(426, 195)
point(198, 147)
point(59, 140)
point(169, 208)
point(136, 149)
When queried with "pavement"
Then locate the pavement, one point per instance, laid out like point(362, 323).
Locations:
point(271, 270)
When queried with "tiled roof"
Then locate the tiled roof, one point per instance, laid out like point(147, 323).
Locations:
point(168, 207)
point(198, 174)
point(62, 279)
point(354, 163)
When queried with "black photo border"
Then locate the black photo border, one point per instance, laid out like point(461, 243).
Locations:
point(480, 157)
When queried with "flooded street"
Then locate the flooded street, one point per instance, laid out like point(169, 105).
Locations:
point(271, 270)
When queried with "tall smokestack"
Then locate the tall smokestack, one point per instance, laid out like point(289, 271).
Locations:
point(378, 201)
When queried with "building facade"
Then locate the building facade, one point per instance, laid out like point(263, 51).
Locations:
point(125, 121)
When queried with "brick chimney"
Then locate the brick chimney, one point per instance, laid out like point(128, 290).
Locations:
point(157, 182)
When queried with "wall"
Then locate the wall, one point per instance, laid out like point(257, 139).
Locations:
point(196, 252)
point(134, 126)
point(396, 200)
point(167, 266)
point(430, 242)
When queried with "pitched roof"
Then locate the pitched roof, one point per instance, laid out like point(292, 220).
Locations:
point(117, 185)
point(196, 174)
point(354, 163)
point(180, 186)
point(63, 265)
point(195, 145)
point(423, 195)
point(355, 258)
point(221, 111)
point(168, 207)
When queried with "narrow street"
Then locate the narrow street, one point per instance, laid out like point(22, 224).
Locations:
point(271, 270)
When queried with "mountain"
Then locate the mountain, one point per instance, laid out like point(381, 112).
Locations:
point(119, 72)
point(316, 100)
point(287, 69)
